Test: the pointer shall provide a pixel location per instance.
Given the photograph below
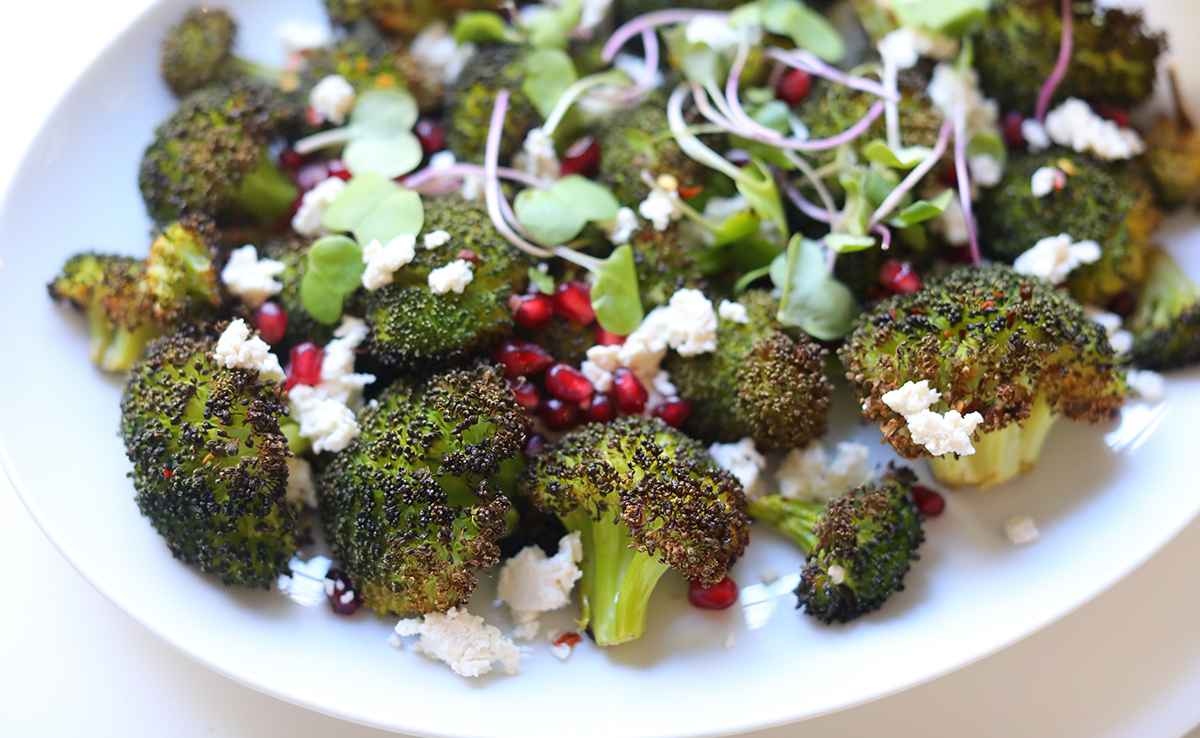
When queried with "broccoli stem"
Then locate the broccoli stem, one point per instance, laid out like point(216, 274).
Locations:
point(793, 518)
point(999, 455)
point(266, 193)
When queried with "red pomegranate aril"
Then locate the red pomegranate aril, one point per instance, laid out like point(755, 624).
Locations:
point(608, 338)
point(431, 134)
point(948, 176)
point(560, 415)
point(568, 639)
point(534, 445)
point(794, 86)
point(717, 597)
point(305, 367)
point(599, 410)
point(1013, 137)
point(573, 301)
point(311, 175)
point(526, 393)
point(568, 383)
point(674, 411)
point(1123, 304)
point(583, 158)
point(929, 502)
point(342, 597)
point(271, 320)
point(1108, 111)
point(629, 393)
point(899, 277)
point(338, 169)
point(521, 358)
point(290, 159)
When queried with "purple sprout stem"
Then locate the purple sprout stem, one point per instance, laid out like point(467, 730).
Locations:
point(916, 175)
point(885, 234)
point(643, 85)
point(816, 212)
point(491, 179)
point(648, 22)
point(737, 112)
point(459, 171)
point(964, 175)
point(1060, 67)
point(806, 62)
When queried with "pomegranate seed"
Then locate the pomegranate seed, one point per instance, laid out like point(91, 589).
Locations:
point(526, 393)
point(311, 175)
point(431, 134)
point(948, 176)
point(1013, 137)
point(1123, 304)
point(929, 502)
point(271, 320)
point(629, 393)
point(794, 86)
point(599, 410)
point(533, 311)
point(899, 277)
point(674, 411)
point(1108, 111)
point(607, 338)
point(568, 383)
point(338, 169)
point(534, 445)
point(717, 597)
point(582, 158)
point(559, 415)
point(342, 597)
point(687, 193)
point(573, 301)
point(521, 358)
point(468, 255)
point(290, 159)
point(305, 366)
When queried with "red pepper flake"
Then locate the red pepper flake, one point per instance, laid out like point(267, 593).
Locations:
point(568, 639)
point(468, 255)
point(989, 305)
point(1010, 319)
point(918, 311)
point(997, 295)
point(1026, 293)
point(168, 473)
point(948, 333)
point(687, 193)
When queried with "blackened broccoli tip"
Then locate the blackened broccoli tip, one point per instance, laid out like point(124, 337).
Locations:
point(209, 460)
point(198, 51)
point(404, 18)
point(369, 61)
point(639, 140)
point(859, 545)
point(1166, 321)
point(408, 505)
point(759, 382)
point(1012, 348)
point(492, 68)
point(211, 156)
point(413, 326)
point(645, 499)
point(829, 109)
point(664, 264)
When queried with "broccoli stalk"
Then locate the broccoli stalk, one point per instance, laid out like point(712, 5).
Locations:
point(1166, 322)
point(1000, 454)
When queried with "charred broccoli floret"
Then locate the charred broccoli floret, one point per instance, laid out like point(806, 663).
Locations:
point(198, 52)
point(292, 250)
point(1106, 202)
point(992, 341)
point(859, 545)
point(645, 499)
point(211, 156)
point(402, 17)
point(1166, 323)
point(209, 460)
point(407, 506)
point(410, 325)
point(664, 264)
point(492, 68)
point(368, 61)
point(637, 140)
point(1114, 58)
point(759, 382)
point(130, 301)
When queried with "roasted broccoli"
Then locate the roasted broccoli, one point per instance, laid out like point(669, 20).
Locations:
point(198, 52)
point(402, 17)
point(637, 140)
point(130, 301)
point(492, 68)
point(211, 156)
point(1166, 323)
point(292, 250)
point(759, 382)
point(368, 61)
point(1173, 154)
point(628, 9)
point(664, 264)
point(407, 506)
point(992, 341)
point(645, 499)
point(859, 545)
point(209, 460)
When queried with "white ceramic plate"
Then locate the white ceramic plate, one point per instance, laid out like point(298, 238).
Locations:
point(1105, 499)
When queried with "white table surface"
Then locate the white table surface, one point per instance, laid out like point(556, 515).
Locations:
point(71, 664)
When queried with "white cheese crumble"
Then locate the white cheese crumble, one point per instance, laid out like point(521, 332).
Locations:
point(325, 412)
point(1073, 124)
point(983, 114)
point(383, 261)
point(454, 277)
point(806, 474)
point(1021, 530)
point(986, 170)
point(472, 188)
point(730, 640)
point(623, 227)
point(440, 56)
point(743, 461)
point(531, 583)
point(912, 398)
point(944, 434)
point(900, 48)
point(599, 366)
point(1035, 135)
point(663, 385)
point(1054, 257)
point(1046, 180)
point(687, 324)
point(300, 487)
point(769, 576)
point(251, 278)
point(1120, 340)
point(306, 585)
point(733, 311)
point(1147, 385)
point(562, 651)
point(296, 37)
point(715, 32)
point(332, 98)
point(435, 239)
point(307, 220)
point(661, 207)
point(837, 574)
point(540, 158)
point(237, 350)
point(463, 641)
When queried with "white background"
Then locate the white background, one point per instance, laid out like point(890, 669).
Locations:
point(1126, 664)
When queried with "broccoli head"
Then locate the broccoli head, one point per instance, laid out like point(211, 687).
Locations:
point(492, 68)
point(859, 545)
point(209, 460)
point(367, 61)
point(292, 251)
point(1173, 160)
point(639, 139)
point(992, 341)
point(402, 17)
point(410, 325)
point(1166, 322)
point(664, 264)
point(407, 506)
point(198, 51)
point(645, 498)
point(759, 382)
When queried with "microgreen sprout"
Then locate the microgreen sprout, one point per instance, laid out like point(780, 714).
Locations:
point(378, 137)
point(1060, 67)
point(960, 152)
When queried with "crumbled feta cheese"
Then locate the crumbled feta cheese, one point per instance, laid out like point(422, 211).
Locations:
point(733, 311)
point(623, 227)
point(900, 48)
point(663, 385)
point(237, 350)
point(472, 188)
point(1046, 180)
point(300, 487)
point(1053, 258)
point(296, 37)
point(455, 277)
point(850, 467)
point(730, 640)
point(912, 398)
point(1035, 135)
point(687, 324)
point(435, 239)
point(1073, 124)
point(986, 170)
point(394, 641)
point(562, 651)
point(307, 220)
point(837, 574)
point(443, 160)
point(769, 576)
point(332, 98)
point(806, 474)
point(944, 434)
point(952, 223)
point(599, 366)
point(531, 583)
point(1120, 340)
point(601, 379)
point(251, 278)
point(660, 208)
point(382, 261)
point(982, 113)
point(338, 379)
point(715, 32)
point(1147, 385)
point(1021, 530)
point(463, 641)
point(742, 460)
point(540, 158)
point(440, 56)
point(306, 585)
point(329, 424)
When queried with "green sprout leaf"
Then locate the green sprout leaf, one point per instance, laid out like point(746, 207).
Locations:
point(763, 194)
point(844, 243)
point(484, 27)
point(557, 215)
point(905, 157)
point(550, 73)
point(812, 300)
point(807, 28)
point(549, 26)
point(615, 297)
point(947, 17)
point(334, 270)
point(922, 210)
point(378, 137)
point(543, 281)
point(373, 208)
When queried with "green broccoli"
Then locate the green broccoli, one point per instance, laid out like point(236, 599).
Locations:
point(209, 460)
point(410, 325)
point(637, 140)
point(407, 506)
point(292, 250)
point(563, 339)
point(645, 499)
point(664, 264)
point(1166, 322)
point(130, 301)
point(1114, 60)
point(859, 545)
point(470, 104)
point(211, 156)
point(628, 9)
point(368, 61)
point(402, 17)
point(759, 382)
point(198, 52)
point(992, 341)
point(1173, 160)
point(1106, 202)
